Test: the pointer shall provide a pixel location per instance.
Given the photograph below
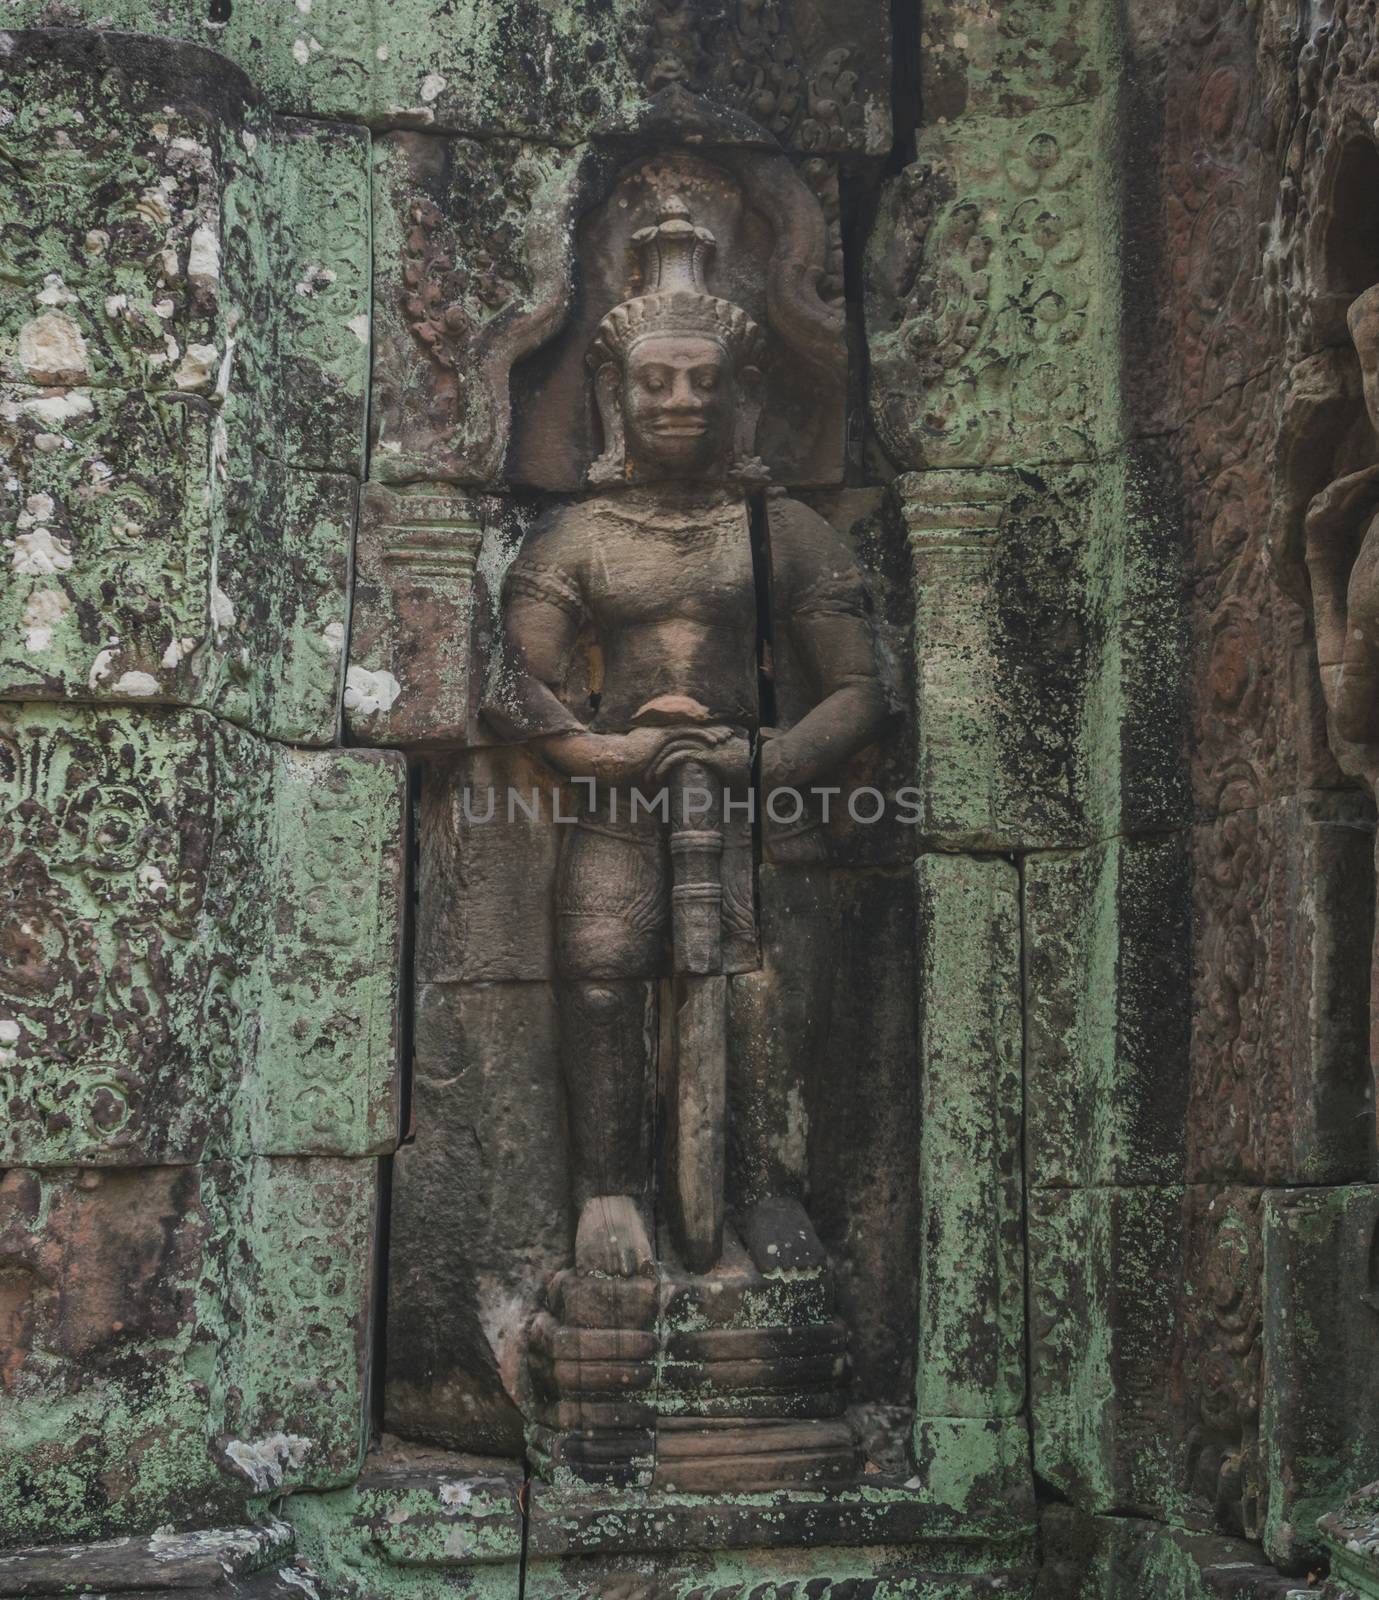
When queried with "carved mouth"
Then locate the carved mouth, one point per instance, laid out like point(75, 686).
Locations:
point(683, 430)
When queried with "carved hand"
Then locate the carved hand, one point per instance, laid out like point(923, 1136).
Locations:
point(614, 758)
point(777, 769)
point(725, 753)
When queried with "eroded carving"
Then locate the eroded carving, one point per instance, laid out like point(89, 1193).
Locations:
point(1342, 549)
point(981, 294)
point(631, 665)
point(484, 279)
point(750, 59)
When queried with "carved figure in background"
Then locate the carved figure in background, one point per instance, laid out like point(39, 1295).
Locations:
point(656, 576)
point(1342, 547)
point(1343, 564)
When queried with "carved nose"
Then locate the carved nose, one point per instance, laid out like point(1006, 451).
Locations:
point(685, 397)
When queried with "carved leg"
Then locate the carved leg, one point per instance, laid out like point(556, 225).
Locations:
point(612, 908)
point(607, 1062)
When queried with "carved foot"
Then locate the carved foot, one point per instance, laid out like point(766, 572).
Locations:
point(611, 1241)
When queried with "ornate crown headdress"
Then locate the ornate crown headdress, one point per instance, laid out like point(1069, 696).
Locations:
point(675, 299)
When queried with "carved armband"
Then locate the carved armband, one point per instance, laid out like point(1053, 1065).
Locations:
point(528, 581)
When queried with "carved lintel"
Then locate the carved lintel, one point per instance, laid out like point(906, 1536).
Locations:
point(411, 646)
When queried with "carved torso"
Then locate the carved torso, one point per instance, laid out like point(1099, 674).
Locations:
point(664, 580)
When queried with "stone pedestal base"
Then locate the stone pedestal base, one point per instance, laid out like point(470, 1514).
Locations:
point(729, 1380)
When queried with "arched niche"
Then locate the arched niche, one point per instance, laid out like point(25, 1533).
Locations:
point(771, 257)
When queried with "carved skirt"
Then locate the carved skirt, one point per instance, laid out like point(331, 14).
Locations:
point(613, 896)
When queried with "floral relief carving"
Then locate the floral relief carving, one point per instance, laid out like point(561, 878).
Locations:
point(133, 1020)
point(746, 56)
point(981, 292)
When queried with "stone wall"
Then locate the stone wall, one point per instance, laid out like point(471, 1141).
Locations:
point(286, 374)
point(200, 1058)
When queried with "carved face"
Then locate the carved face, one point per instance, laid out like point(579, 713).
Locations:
point(678, 405)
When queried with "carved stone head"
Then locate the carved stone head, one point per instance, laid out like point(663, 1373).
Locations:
point(677, 370)
point(1363, 321)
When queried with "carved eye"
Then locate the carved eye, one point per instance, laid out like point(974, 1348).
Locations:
point(707, 380)
point(654, 383)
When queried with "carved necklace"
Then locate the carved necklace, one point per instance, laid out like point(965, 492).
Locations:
point(692, 515)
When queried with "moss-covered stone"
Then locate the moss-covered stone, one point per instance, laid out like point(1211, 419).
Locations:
point(188, 1340)
point(186, 367)
point(1318, 1428)
point(155, 1010)
point(990, 303)
point(814, 75)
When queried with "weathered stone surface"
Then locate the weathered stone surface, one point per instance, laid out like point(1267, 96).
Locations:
point(184, 1339)
point(310, 208)
point(879, 1515)
point(858, 1574)
point(1197, 167)
point(205, 1559)
point(1104, 1295)
point(413, 657)
point(814, 76)
point(140, 591)
point(1256, 711)
point(1030, 56)
point(154, 1010)
point(1124, 1558)
point(480, 1212)
point(970, 1368)
point(1138, 722)
point(105, 1425)
point(1351, 1536)
point(1280, 1085)
point(866, 1096)
point(490, 848)
point(1219, 1357)
point(1319, 1432)
point(986, 285)
point(425, 1516)
point(778, 1024)
point(115, 211)
point(1007, 639)
point(872, 522)
point(1107, 1013)
point(180, 535)
point(472, 264)
point(298, 1286)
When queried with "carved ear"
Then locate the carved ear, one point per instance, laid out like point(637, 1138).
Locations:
point(609, 467)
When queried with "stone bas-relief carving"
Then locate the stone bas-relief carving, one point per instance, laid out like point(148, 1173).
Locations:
point(1342, 533)
point(684, 1346)
point(1342, 553)
point(495, 263)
